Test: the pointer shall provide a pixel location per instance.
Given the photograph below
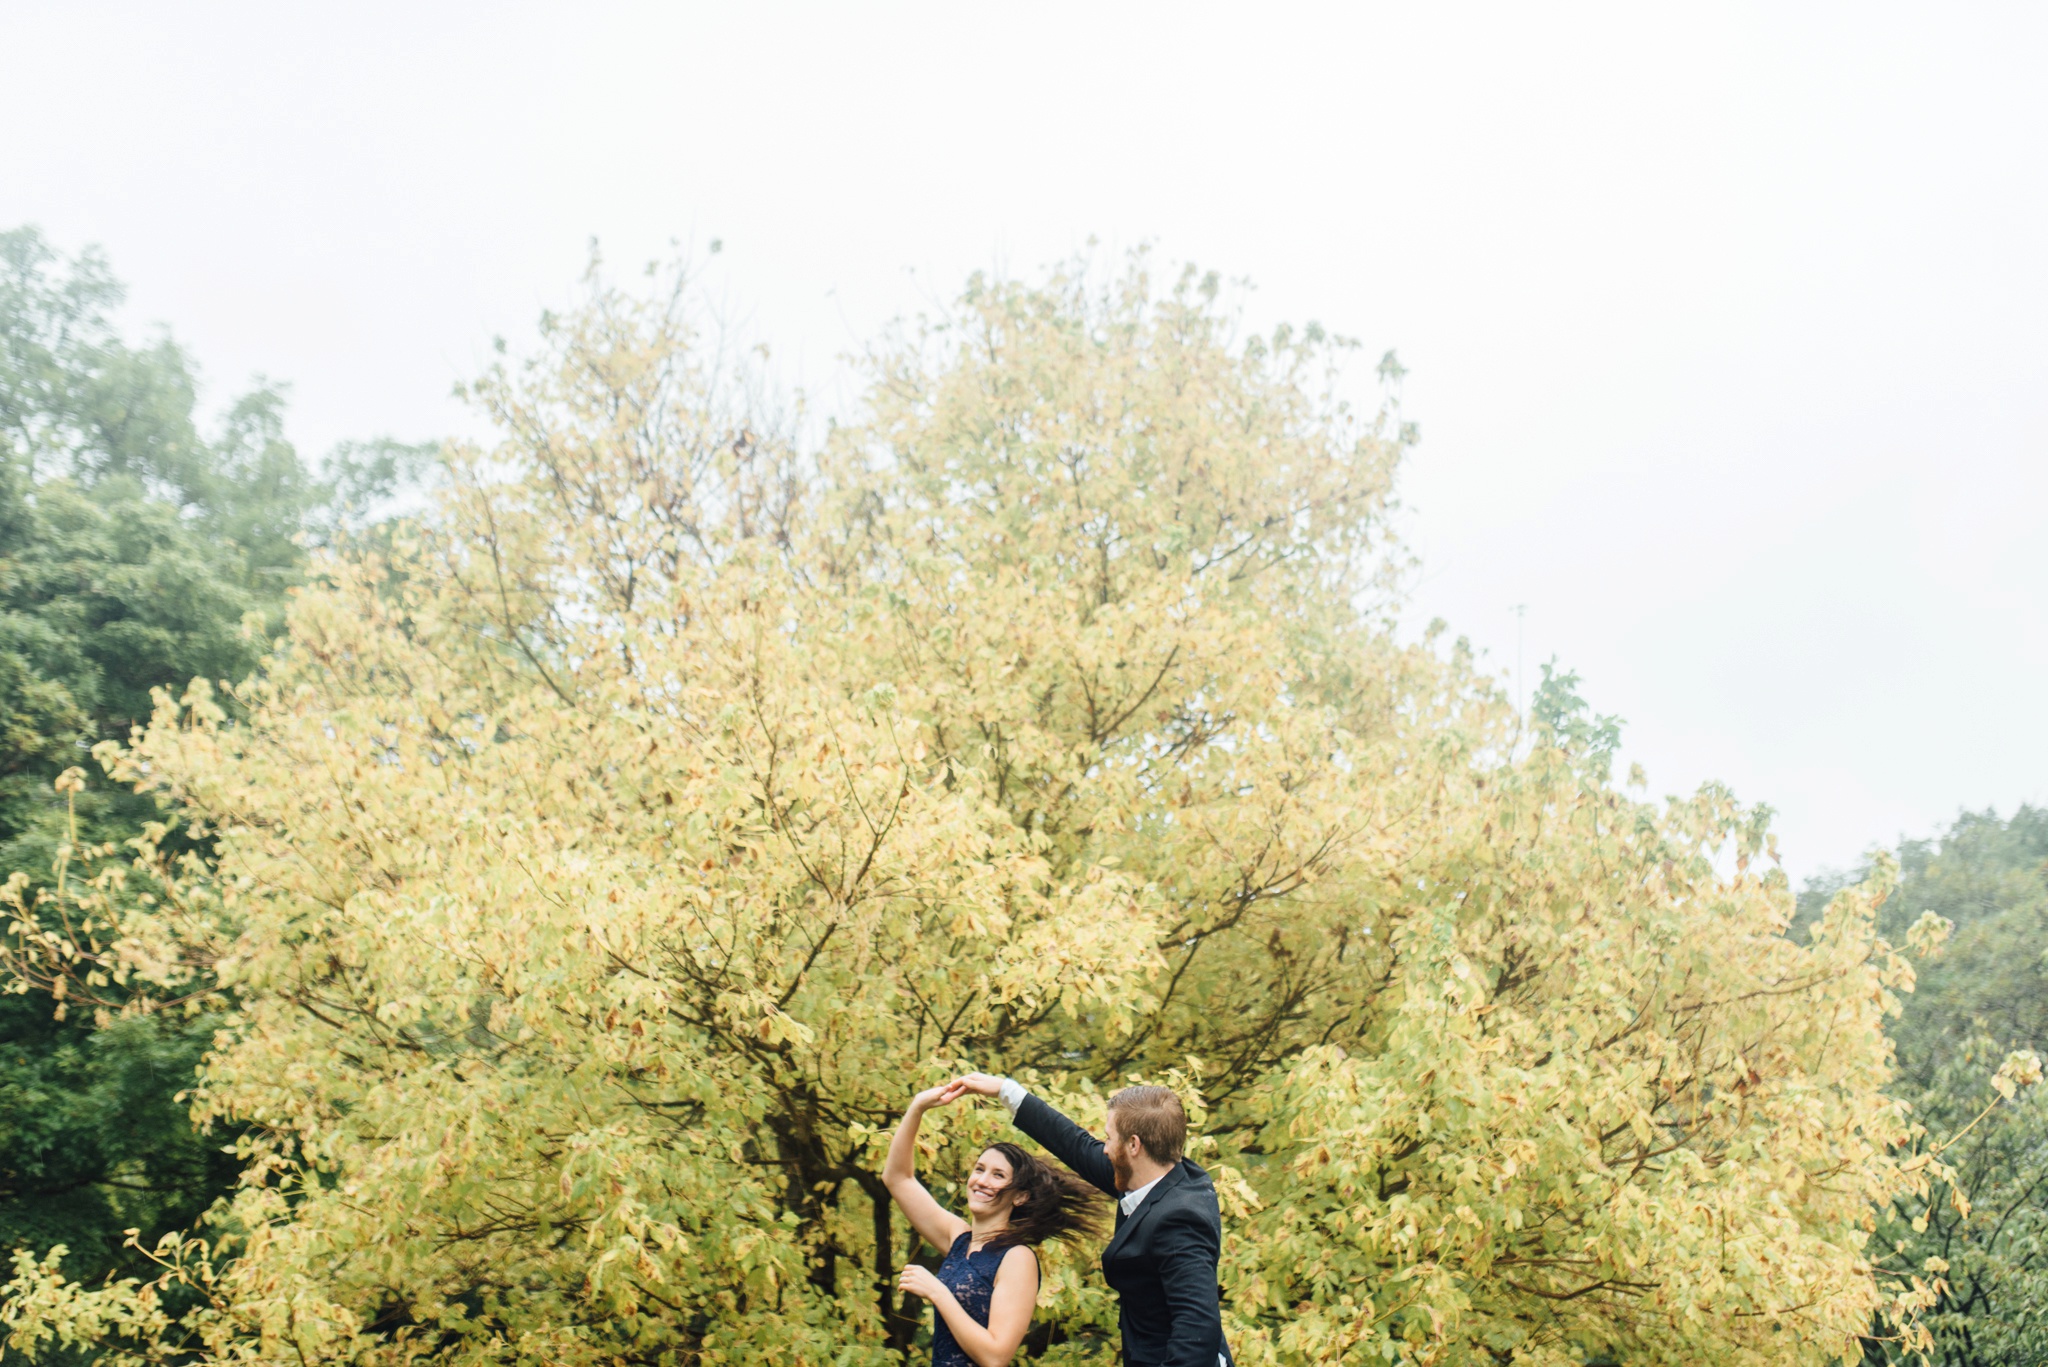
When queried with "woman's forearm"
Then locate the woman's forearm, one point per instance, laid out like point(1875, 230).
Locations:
point(901, 1164)
point(974, 1339)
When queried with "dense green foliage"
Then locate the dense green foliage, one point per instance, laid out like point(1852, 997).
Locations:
point(1987, 995)
point(130, 547)
point(135, 552)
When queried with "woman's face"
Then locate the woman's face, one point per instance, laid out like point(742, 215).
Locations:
point(988, 1186)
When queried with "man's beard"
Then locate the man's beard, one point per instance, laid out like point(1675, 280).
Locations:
point(1121, 1166)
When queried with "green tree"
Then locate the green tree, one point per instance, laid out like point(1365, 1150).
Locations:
point(1986, 996)
point(135, 553)
point(131, 547)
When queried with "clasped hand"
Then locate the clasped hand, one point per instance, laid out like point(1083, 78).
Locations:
point(946, 1093)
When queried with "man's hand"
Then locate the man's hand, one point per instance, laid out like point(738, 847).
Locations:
point(980, 1084)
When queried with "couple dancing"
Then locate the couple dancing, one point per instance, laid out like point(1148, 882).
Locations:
point(1161, 1260)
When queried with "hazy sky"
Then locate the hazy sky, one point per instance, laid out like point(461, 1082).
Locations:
point(1727, 329)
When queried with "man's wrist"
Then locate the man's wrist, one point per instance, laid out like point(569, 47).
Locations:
point(1012, 1092)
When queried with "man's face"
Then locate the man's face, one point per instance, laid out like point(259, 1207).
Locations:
point(1120, 1149)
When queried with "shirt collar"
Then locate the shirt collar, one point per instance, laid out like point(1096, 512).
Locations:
point(1131, 1200)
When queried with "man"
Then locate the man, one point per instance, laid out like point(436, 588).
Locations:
point(1169, 1232)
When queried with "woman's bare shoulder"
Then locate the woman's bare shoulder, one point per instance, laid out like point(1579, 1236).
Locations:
point(1018, 1256)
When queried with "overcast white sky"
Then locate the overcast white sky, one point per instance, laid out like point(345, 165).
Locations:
point(1727, 328)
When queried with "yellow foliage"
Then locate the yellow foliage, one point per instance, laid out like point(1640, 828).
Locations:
point(592, 879)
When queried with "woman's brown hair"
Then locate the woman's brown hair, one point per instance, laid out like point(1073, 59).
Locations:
point(1051, 1203)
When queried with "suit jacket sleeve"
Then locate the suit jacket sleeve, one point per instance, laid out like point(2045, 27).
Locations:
point(1188, 1250)
point(1068, 1142)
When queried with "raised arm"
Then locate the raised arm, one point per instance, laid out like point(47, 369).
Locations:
point(938, 1226)
point(1065, 1140)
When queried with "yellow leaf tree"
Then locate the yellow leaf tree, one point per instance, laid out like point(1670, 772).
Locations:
point(587, 880)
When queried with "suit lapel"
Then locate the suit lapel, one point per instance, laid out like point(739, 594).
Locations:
point(1145, 1208)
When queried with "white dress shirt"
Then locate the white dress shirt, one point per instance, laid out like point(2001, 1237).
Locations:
point(1130, 1200)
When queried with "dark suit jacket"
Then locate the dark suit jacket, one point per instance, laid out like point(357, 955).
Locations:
point(1162, 1260)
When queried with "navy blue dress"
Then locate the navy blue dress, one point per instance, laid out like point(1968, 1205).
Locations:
point(971, 1277)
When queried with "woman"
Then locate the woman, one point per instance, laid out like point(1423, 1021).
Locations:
point(987, 1287)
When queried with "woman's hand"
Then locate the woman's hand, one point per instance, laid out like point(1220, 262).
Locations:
point(930, 1097)
point(918, 1280)
point(979, 1084)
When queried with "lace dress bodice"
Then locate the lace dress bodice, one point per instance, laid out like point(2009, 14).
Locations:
point(971, 1277)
